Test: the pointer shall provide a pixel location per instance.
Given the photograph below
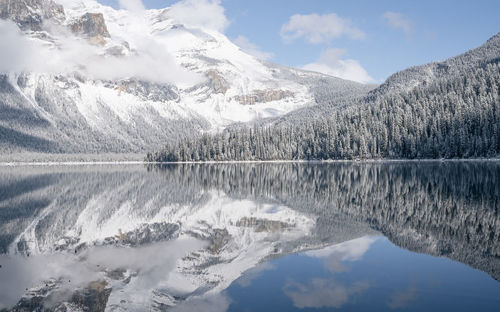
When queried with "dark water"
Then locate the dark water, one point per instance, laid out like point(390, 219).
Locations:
point(251, 237)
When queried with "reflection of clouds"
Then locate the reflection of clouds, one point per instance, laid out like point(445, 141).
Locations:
point(401, 299)
point(154, 263)
point(246, 279)
point(18, 273)
point(351, 250)
point(327, 292)
point(322, 293)
point(218, 302)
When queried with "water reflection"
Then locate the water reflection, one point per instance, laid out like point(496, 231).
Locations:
point(383, 278)
point(322, 292)
point(180, 235)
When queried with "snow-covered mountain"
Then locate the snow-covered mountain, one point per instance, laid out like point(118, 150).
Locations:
point(86, 78)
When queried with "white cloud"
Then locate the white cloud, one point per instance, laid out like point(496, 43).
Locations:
point(336, 255)
point(352, 250)
point(399, 21)
point(209, 302)
point(319, 28)
point(14, 49)
point(151, 62)
point(131, 5)
point(251, 48)
point(402, 299)
point(331, 63)
point(68, 3)
point(320, 293)
point(200, 13)
point(153, 263)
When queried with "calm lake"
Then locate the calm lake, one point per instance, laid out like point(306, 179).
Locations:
point(402, 236)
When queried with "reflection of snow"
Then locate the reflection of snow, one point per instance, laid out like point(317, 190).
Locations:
point(335, 255)
point(241, 234)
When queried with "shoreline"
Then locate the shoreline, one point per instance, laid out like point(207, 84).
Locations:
point(136, 162)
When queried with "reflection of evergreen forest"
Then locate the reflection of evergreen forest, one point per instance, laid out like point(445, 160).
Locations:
point(441, 208)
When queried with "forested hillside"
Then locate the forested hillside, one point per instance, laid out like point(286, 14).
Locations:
point(456, 115)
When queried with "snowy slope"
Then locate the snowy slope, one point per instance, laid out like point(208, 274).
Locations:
point(105, 80)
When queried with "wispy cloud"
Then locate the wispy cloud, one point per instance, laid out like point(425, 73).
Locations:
point(132, 5)
point(399, 21)
point(153, 263)
point(316, 28)
point(331, 63)
point(252, 49)
point(322, 293)
point(402, 299)
point(200, 13)
point(72, 54)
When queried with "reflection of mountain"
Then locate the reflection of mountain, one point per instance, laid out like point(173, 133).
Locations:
point(78, 211)
point(440, 208)
point(245, 214)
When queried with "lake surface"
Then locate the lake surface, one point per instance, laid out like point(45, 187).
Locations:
point(402, 236)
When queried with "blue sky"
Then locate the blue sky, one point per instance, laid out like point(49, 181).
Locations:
point(359, 40)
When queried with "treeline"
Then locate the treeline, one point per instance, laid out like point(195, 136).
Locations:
point(457, 117)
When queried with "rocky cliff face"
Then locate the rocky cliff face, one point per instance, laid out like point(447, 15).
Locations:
point(263, 96)
point(31, 14)
point(91, 25)
point(262, 225)
point(216, 82)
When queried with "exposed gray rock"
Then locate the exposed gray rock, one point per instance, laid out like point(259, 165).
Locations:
point(262, 225)
point(91, 25)
point(92, 298)
point(218, 240)
point(216, 82)
point(146, 234)
point(263, 96)
point(148, 90)
point(30, 14)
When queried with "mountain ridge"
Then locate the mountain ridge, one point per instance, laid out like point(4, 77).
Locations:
point(108, 91)
point(424, 74)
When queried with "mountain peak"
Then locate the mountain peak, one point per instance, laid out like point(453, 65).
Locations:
point(30, 14)
point(495, 38)
point(414, 76)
